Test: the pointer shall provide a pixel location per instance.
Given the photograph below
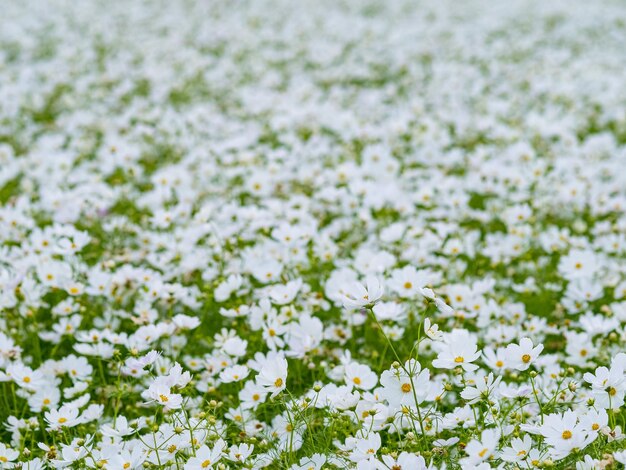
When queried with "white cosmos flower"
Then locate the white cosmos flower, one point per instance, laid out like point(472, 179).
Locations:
point(357, 295)
point(273, 375)
point(522, 356)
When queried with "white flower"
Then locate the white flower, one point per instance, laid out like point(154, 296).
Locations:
point(483, 389)
point(403, 386)
point(357, 295)
point(365, 448)
point(457, 350)
point(206, 458)
point(578, 264)
point(64, 417)
point(608, 386)
point(7, 455)
point(480, 450)
point(161, 393)
point(360, 376)
point(563, 433)
point(432, 330)
point(282, 294)
point(240, 453)
point(234, 374)
point(518, 450)
point(273, 376)
point(522, 356)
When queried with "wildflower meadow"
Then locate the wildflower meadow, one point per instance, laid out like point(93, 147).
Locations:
point(316, 234)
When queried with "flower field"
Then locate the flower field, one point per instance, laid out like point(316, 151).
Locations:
point(373, 235)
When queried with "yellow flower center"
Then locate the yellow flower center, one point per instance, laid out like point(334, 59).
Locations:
point(459, 359)
point(566, 434)
point(526, 358)
point(406, 388)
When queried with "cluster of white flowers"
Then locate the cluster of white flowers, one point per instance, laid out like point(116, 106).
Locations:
point(312, 235)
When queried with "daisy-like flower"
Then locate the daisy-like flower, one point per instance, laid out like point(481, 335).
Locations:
point(64, 417)
point(160, 391)
point(205, 457)
point(234, 374)
point(128, 459)
point(366, 447)
point(608, 386)
point(26, 377)
point(457, 350)
point(482, 389)
point(240, 453)
point(518, 450)
point(7, 455)
point(564, 433)
point(405, 460)
point(432, 330)
point(273, 376)
point(356, 295)
point(522, 356)
point(360, 376)
point(408, 282)
point(495, 359)
point(403, 386)
point(480, 450)
point(284, 294)
point(579, 264)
